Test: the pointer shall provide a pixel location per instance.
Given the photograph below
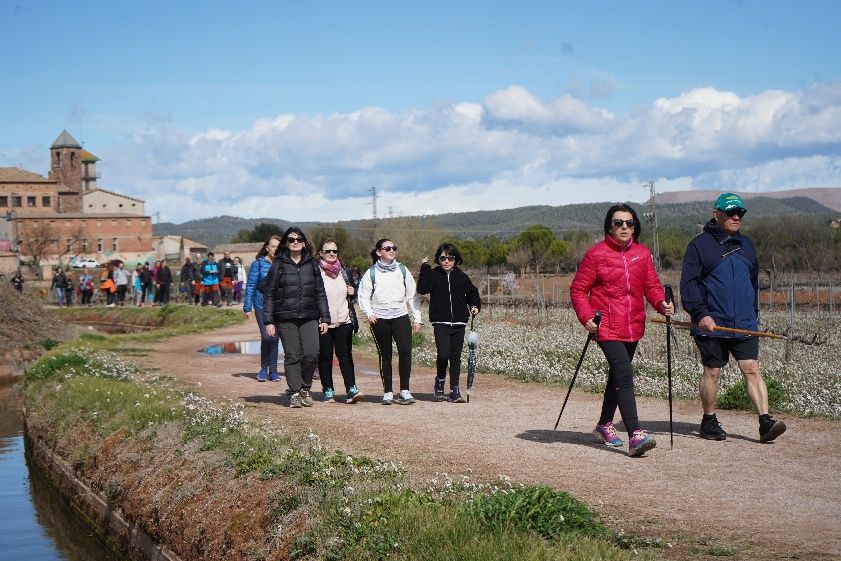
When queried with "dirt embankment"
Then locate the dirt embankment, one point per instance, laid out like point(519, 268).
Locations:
point(25, 324)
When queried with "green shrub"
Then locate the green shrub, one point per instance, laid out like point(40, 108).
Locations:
point(736, 397)
point(539, 509)
point(49, 343)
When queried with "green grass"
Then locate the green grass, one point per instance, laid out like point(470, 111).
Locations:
point(736, 397)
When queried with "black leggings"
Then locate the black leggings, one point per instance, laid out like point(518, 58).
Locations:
point(449, 342)
point(619, 389)
point(400, 329)
point(340, 338)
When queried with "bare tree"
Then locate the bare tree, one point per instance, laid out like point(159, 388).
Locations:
point(37, 238)
point(520, 257)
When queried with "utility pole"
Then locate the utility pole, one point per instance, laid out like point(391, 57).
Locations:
point(374, 201)
point(652, 214)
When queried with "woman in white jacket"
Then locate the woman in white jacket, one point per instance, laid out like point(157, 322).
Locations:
point(387, 296)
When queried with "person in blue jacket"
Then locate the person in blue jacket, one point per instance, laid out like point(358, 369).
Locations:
point(719, 287)
point(253, 307)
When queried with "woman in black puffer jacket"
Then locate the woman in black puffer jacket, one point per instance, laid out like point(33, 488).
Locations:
point(453, 299)
point(295, 307)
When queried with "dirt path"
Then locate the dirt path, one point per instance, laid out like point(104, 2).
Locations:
point(740, 498)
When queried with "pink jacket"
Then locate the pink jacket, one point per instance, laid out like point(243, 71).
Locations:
point(614, 280)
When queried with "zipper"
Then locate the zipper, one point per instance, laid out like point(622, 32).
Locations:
point(450, 292)
point(627, 289)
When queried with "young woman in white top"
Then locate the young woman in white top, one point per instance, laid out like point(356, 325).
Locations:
point(387, 297)
point(341, 292)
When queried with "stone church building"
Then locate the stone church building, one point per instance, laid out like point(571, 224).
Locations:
point(66, 217)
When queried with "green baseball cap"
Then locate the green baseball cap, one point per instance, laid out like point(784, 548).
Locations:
point(728, 201)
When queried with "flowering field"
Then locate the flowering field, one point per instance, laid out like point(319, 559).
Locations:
point(518, 345)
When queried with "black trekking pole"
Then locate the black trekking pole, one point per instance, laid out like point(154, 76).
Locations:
point(670, 298)
point(590, 337)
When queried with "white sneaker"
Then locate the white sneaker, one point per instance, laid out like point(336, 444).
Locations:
point(387, 398)
point(405, 398)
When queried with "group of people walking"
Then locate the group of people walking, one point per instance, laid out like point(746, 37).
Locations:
point(719, 288)
point(304, 298)
point(306, 301)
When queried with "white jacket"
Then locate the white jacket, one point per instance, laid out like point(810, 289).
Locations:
point(388, 293)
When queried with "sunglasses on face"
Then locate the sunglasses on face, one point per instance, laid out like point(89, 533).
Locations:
point(446, 258)
point(295, 240)
point(740, 212)
point(329, 251)
point(629, 223)
point(388, 248)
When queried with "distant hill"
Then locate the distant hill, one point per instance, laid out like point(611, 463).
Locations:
point(509, 222)
point(827, 196)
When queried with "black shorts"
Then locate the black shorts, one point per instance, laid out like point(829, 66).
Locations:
point(716, 351)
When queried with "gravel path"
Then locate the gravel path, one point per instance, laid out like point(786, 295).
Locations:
point(738, 498)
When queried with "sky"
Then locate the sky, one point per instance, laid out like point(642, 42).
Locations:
point(295, 110)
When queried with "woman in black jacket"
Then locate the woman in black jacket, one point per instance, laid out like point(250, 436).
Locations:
point(453, 299)
point(295, 307)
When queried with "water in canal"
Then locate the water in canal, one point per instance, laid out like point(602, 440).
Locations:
point(35, 523)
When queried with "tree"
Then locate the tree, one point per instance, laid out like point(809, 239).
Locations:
point(260, 233)
point(473, 254)
point(520, 257)
point(535, 240)
point(37, 238)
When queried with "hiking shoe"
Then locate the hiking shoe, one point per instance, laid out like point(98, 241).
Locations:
point(354, 395)
point(438, 390)
point(455, 395)
point(295, 401)
point(608, 435)
point(640, 443)
point(405, 398)
point(711, 429)
point(771, 429)
point(261, 375)
point(306, 398)
point(274, 377)
point(388, 398)
point(329, 396)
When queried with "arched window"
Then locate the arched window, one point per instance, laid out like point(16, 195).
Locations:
point(72, 159)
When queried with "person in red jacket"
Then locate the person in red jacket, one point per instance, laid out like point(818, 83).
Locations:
point(615, 277)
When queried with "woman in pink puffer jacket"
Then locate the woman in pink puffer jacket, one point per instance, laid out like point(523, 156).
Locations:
point(615, 277)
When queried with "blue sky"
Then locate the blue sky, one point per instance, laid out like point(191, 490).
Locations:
point(295, 109)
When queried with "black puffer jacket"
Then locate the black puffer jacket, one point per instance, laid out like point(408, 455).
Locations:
point(450, 296)
point(294, 291)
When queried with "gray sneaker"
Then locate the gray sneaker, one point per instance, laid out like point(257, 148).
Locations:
point(295, 401)
point(404, 398)
point(306, 398)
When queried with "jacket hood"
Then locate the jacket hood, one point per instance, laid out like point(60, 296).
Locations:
point(720, 235)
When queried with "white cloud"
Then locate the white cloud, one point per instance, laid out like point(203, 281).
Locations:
point(512, 149)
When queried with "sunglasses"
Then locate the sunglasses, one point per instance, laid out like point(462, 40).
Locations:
point(740, 212)
point(446, 258)
point(629, 223)
point(388, 248)
point(329, 251)
point(295, 240)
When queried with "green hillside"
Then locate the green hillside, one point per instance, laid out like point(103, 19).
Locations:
point(509, 222)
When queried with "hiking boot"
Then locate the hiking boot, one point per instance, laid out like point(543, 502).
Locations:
point(388, 398)
point(608, 435)
point(455, 395)
point(274, 377)
point(295, 401)
point(770, 429)
point(438, 390)
point(354, 395)
point(306, 398)
point(711, 429)
point(261, 375)
point(329, 396)
point(640, 443)
point(405, 398)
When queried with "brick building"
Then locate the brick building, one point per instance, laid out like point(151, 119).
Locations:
point(64, 217)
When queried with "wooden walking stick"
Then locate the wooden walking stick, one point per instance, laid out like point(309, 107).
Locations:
point(688, 325)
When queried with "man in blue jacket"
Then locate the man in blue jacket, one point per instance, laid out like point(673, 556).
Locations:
point(719, 286)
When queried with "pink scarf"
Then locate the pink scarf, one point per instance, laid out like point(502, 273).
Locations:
point(333, 270)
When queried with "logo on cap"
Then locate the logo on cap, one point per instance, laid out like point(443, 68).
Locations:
point(728, 201)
